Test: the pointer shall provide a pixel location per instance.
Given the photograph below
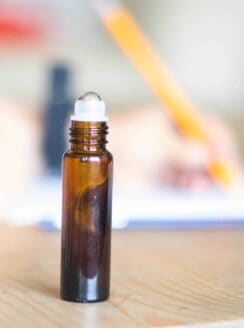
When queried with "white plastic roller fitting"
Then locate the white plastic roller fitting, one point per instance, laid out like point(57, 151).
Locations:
point(90, 108)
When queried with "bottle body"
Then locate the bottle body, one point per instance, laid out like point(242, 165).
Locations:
point(86, 215)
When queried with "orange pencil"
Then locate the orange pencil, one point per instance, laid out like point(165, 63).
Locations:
point(126, 33)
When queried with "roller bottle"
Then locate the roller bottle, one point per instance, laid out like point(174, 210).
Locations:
point(86, 205)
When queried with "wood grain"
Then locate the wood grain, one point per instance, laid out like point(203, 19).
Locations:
point(159, 278)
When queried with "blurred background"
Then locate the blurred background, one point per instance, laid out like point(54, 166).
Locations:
point(52, 51)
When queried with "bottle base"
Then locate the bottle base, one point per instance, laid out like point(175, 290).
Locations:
point(82, 300)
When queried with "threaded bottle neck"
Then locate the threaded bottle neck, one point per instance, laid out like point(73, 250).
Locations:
point(88, 137)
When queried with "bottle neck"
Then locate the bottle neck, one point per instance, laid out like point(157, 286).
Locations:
point(88, 137)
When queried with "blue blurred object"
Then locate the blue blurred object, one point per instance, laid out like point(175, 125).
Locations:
point(163, 208)
point(58, 108)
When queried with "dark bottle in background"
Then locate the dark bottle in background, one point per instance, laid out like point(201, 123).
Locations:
point(57, 110)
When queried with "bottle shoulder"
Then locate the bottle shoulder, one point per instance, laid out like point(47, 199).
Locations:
point(104, 155)
point(109, 155)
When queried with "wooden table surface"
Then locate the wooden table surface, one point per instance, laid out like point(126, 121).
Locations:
point(159, 278)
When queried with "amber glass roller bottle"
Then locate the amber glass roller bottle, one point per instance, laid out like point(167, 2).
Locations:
point(86, 205)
